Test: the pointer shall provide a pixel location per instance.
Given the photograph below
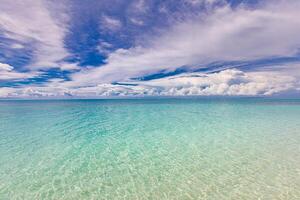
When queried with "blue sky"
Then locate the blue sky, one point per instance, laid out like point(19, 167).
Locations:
point(143, 48)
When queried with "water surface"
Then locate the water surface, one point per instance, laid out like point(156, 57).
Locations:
point(150, 149)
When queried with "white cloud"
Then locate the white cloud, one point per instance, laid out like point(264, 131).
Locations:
point(224, 35)
point(7, 92)
point(31, 22)
point(7, 72)
point(205, 2)
point(104, 47)
point(5, 67)
point(17, 46)
point(136, 21)
point(110, 23)
point(139, 6)
point(228, 82)
point(68, 66)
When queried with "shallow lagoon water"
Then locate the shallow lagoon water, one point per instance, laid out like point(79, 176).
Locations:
point(209, 148)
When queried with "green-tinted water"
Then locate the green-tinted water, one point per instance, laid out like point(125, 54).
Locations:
point(150, 149)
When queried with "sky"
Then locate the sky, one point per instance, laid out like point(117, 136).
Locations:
point(104, 48)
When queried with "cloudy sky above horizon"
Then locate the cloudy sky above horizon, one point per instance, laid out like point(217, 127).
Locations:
point(73, 48)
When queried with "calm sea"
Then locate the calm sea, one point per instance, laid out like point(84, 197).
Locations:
point(207, 148)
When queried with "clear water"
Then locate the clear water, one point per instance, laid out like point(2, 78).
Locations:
point(150, 149)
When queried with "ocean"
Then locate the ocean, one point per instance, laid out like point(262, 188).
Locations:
point(158, 148)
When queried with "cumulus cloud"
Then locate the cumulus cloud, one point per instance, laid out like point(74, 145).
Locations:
point(227, 34)
point(228, 82)
point(7, 92)
point(31, 22)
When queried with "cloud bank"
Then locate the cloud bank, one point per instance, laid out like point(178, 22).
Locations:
point(229, 82)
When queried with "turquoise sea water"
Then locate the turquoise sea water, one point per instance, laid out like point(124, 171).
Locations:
point(150, 149)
